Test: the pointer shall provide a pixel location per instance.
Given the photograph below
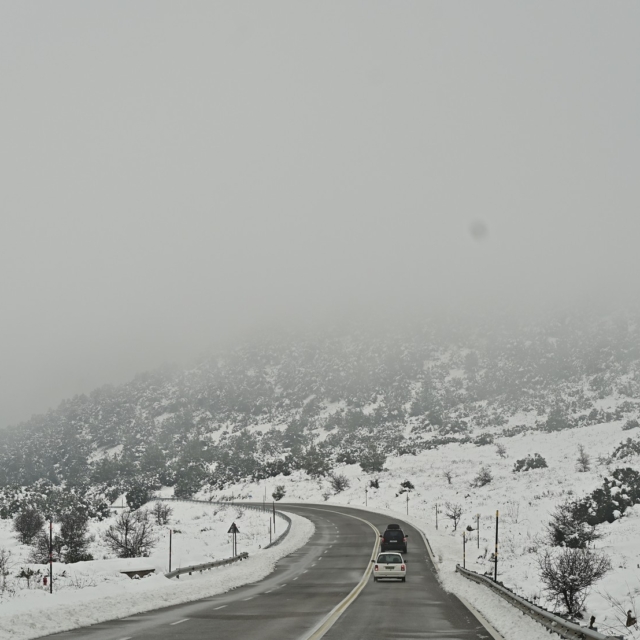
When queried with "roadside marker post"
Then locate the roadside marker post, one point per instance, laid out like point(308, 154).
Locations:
point(464, 549)
point(50, 554)
point(170, 545)
point(436, 516)
point(495, 569)
point(478, 527)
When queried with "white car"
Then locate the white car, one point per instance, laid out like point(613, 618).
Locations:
point(389, 565)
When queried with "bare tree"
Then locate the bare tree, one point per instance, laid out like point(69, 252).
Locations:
point(453, 511)
point(132, 535)
point(448, 475)
point(501, 450)
point(583, 463)
point(162, 512)
point(570, 573)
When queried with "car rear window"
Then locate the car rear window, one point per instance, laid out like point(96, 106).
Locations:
point(394, 534)
point(389, 558)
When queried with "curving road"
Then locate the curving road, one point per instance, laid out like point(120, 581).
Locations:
point(295, 601)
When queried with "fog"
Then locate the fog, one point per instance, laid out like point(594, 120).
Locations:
point(176, 175)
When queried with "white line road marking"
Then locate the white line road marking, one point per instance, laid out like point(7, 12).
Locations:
point(179, 621)
point(306, 571)
point(270, 590)
point(296, 578)
point(251, 598)
point(222, 607)
point(126, 638)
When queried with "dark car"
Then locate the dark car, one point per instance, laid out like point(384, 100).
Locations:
point(393, 539)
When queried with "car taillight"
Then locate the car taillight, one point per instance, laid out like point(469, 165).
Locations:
point(402, 568)
point(375, 568)
point(404, 539)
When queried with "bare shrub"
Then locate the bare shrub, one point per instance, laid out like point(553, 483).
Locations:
point(568, 575)
point(132, 535)
point(453, 511)
point(448, 476)
point(339, 482)
point(501, 450)
point(27, 524)
point(513, 511)
point(583, 463)
point(162, 512)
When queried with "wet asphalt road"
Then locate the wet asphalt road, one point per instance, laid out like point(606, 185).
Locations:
point(305, 587)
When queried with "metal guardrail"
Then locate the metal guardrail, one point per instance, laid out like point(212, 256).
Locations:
point(206, 566)
point(242, 556)
point(552, 622)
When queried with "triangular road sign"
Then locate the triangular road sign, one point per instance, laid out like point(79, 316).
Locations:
point(233, 528)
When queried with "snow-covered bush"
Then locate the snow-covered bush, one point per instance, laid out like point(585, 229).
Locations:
point(279, 492)
point(569, 528)
point(483, 478)
point(626, 449)
point(528, 463)
point(27, 524)
point(630, 424)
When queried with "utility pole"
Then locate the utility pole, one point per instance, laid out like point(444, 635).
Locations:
point(274, 517)
point(495, 569)
point(170, 542)
point(407, 503)
point(270, 540)
point(478, 527)
point(366, 491)
point(436, 516)
point(51, 554)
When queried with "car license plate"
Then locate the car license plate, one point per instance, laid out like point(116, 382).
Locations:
point(390, 568)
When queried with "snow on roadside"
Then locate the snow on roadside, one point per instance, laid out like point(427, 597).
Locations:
point(43, 614)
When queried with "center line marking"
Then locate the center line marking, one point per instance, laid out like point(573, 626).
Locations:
point(222, 607)
point(296, 578)
point(270, 590)
point(251, 598)
point(179, 621)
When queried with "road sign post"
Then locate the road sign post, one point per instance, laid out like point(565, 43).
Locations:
point(233, 529)
point(170, 544)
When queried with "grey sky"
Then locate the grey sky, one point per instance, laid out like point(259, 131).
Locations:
point(173, 173)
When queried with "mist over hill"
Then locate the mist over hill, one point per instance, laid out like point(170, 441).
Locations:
point(315, 400)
